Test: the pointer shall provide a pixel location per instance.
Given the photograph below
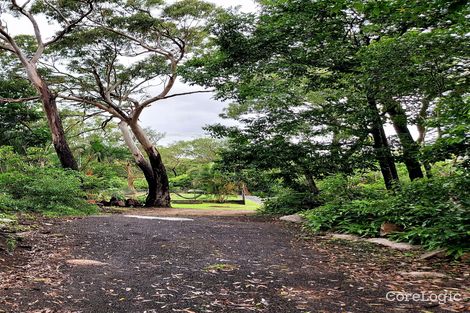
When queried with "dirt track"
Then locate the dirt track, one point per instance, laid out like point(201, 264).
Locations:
point(209, 264)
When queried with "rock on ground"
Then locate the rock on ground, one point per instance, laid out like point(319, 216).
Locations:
point(345, 237)
point(423, 274)
point(85, 262)
point(431, 254)
point(391, 244)
point(294, 218)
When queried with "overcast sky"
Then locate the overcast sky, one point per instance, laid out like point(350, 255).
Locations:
point(184, 117)
point(181, 118)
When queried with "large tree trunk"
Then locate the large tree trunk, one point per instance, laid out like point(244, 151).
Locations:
point(59, 141)
point(141, 162)
point(161, 196)
point(409, 146)
point(48, 99)
point(159, 187)
point(382, 149)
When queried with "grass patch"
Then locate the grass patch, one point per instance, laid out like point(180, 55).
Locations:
point(249, 206)
point(190, 196)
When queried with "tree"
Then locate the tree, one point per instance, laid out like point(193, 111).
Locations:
point(183, 155)
point(68, 14)
point(301, 137)
point(319, 60)
point(329, 46)
point(410, 72)
point(118, 64)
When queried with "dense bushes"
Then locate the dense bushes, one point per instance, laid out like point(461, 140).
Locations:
point(47, 190)
point(288, 201)
point(104, 179)
point(335, 189)
point(181, 182)
point(25, 186)
point(433, 212)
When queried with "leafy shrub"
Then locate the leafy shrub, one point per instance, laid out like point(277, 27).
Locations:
point(360, 217)
point(289, 201)
point(9, 159)
point(339, 189)
point(181, 182)
point(6, 203)
point(140, 183)
point(336, 189)
point(104, 175)
point(433, 213)
point(47, 190)
point(210, 179)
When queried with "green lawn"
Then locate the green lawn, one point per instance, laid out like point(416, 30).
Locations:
point(249, 206)
point(189, 196)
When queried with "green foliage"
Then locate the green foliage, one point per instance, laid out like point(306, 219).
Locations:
point(189, 155)
point(452, 116)
point(288, 201)
point(189, 8)
point(361, 217)
point(181, 182)
point(11, 243)
point(20, 125)
point(213, 181)
point(433, 212)
point(9, 160)
point(106, 175)
point(318, 84)
point(7, 204)
point(140, 183)
point(46, 190)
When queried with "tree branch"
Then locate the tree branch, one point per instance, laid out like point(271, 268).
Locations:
point(70, 25)
point(162, 95)
point(187, 93)
point(113, 110)
point(14, 47)
point(6, 47)
point(160, 51)
point(18, 100)
point(37, 31)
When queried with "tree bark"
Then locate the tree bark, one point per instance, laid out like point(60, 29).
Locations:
point(141, 162)
point(160, 197)
point(382, 149)
point(59, 141)
point(159, 187)
point(312, 186)
point(409, 146)
point(54, 121)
